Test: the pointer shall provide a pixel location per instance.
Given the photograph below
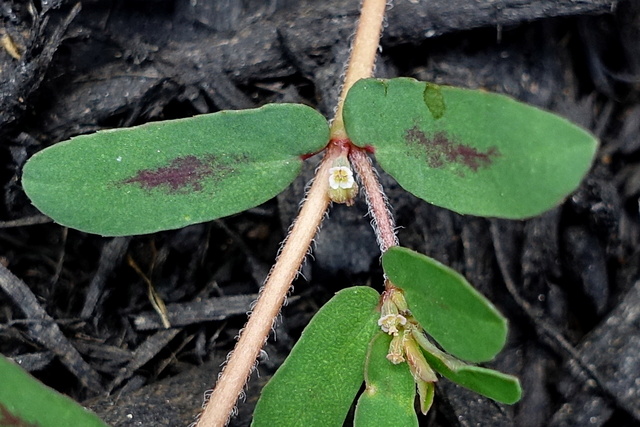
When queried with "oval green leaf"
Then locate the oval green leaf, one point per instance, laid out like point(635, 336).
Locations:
point(318, 382)
point(389, 397)
point(470, 151)
point(167, 175)
point(456, 315)
point(24, 401)
point(487, 382)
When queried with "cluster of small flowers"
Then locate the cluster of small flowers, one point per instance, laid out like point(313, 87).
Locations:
point(396, 320)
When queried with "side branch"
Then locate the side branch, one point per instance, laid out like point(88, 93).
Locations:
point(381, 218)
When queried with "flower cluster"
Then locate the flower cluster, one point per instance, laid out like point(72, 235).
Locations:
point(406, 344)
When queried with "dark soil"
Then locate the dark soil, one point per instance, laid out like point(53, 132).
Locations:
point(76, 314)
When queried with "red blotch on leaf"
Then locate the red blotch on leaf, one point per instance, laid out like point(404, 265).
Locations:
point(8, 419)
point(440, 150)
point(183, 174)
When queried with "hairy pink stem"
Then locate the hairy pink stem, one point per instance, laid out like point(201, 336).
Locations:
point(381, 218)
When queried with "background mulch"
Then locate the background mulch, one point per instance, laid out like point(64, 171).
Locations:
point(76, 314)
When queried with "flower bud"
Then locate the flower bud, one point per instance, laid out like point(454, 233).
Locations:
point(397, 296)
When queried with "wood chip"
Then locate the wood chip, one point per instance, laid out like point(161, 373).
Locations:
point(46, 332)
point(182, 314)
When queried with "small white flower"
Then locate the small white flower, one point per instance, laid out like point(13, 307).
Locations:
point(390, 323)
point(341, 177)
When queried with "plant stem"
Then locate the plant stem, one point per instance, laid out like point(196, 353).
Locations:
point(363, 56)
point(256, 331)
point(382, 220)
point(273, 294)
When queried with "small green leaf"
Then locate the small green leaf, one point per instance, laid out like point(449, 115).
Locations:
point(166, 175)
point(24, 401)
point(470, 151)
point(389, 397)
point(317, 383)
point(456, 315)
point(487, 382)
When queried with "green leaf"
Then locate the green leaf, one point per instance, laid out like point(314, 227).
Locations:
point(389, 397)
point(487, 382)
point(24, 401)
point(317, 383)
point(456, 315)
point(469, 151)
point(167, 175)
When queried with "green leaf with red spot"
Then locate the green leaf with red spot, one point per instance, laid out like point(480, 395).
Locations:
point(26, 402)
point(470, 151)
point(167, 175)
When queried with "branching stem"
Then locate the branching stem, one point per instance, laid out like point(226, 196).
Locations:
point(256, 331)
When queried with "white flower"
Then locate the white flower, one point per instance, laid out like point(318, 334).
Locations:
point(390, 323)
point(341, 177)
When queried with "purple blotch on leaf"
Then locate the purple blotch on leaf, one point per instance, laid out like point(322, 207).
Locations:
point(440, 150)
point(183, 174)
point(7, 419)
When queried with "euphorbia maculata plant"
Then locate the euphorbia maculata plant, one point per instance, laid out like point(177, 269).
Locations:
point(470, 151)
